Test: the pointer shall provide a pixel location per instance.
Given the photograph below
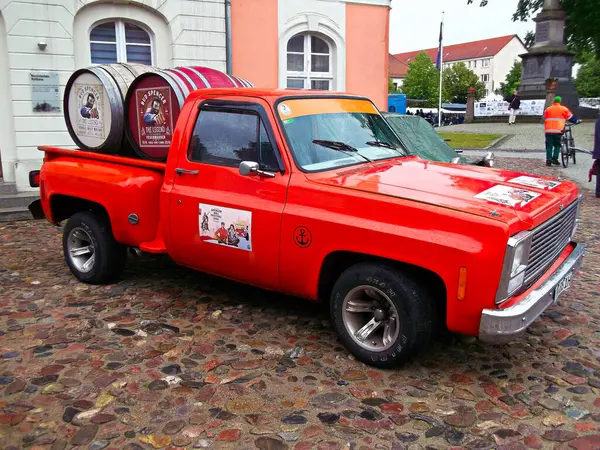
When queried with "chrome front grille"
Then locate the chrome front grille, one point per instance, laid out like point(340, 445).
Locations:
point(549, 240)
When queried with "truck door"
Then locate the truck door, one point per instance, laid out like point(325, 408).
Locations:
point(224, 222)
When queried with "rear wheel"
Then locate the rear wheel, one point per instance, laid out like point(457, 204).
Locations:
point(381, 315)
point(90, 249)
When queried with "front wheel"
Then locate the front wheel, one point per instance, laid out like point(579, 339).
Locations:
point(381, 315)
point(90, 249)
point(564, 153)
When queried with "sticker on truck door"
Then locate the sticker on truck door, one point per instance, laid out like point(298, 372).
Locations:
point(509, 196)
point(225, 226)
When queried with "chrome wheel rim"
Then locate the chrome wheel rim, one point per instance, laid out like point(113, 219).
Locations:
point(81, 250)
point(371, 318)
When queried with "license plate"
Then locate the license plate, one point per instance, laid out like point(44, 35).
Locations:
point(562, 286)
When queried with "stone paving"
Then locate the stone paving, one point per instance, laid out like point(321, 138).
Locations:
point(170, 358)
point(525, 136)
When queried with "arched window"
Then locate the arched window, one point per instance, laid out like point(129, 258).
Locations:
point(120, 41)
point(309, 64)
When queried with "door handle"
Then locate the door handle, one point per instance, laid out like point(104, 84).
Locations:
point(180, 171)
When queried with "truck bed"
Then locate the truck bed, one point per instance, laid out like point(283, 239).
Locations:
point(77, 153)
point(128, 189)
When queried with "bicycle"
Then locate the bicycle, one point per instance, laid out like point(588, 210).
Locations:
point(567, 146)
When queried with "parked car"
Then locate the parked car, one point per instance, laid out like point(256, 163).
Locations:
point(421, 139)
point(313, 195)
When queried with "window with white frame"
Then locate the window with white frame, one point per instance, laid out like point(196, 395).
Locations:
point(485, 78)
point(309, 63)
point(120, 41)
point(486, 63)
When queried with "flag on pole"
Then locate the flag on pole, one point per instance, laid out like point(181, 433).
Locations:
point(438, 62)
point(440, 66)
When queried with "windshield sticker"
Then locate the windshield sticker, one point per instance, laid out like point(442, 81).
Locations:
point(285, 109)
point(535, 182)
point(225, 226)
point(506, 195)
point(301, 107)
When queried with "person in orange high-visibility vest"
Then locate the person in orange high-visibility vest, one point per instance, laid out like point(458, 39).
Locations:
point(555, 119)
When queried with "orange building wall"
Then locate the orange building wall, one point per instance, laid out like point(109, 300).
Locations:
point(367, 46)
point(254, 41)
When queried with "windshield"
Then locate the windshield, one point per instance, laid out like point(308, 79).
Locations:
point(327, 133)
point(420, 138)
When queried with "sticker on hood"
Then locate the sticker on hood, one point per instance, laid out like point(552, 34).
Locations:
point(509, 196)
point(535, 182)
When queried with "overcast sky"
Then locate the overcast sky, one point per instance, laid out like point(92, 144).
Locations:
point(415, 24)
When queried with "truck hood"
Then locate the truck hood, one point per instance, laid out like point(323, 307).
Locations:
point(498, 194)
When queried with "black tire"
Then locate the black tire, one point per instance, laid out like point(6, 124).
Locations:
point(415, 307)
point(564, 153)
point(109, 256)
point(573, 152)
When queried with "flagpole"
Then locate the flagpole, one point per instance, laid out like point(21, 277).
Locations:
point(441, 70)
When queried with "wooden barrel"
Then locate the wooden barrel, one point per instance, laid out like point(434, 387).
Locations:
point(93, 105)
point(154, 101)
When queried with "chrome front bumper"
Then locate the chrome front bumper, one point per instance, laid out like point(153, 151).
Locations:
point(499, 326)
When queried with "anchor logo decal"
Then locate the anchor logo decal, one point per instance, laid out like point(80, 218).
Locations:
point(302, 237)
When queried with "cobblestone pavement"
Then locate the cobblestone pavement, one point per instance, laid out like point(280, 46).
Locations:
point(525, 136)
point(170, 358)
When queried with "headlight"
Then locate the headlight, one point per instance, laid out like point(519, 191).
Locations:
point(515, 263)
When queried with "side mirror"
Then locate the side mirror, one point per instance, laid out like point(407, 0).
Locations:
point(489, 160)
point(455, 160)
point(250, 168)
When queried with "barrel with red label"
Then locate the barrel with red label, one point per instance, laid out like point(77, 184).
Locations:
point(93, 105)
point(154, 101)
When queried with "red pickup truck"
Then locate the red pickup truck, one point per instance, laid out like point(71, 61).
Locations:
point(314, 195)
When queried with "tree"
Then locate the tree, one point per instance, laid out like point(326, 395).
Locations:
point(512, 82)
point(457, 81)
point(582, 30)
point(422, 80)
point(529, 39)
point(392, 89)
point(588, 78)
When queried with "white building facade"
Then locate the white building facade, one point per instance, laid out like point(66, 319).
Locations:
point(493, 70)
point(490, 59)
point(53, 40)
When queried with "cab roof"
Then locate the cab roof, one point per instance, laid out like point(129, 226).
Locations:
point(273, 94)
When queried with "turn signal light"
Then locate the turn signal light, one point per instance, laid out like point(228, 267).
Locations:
point(462, 283)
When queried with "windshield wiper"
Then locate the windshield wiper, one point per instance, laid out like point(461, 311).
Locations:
point(381, 144)
point(340, 147)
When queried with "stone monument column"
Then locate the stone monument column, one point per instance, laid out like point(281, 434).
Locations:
point(549, 58)
point(470, 113)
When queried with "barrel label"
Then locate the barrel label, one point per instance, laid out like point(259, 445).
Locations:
point(90, 119)
point(154, 117)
